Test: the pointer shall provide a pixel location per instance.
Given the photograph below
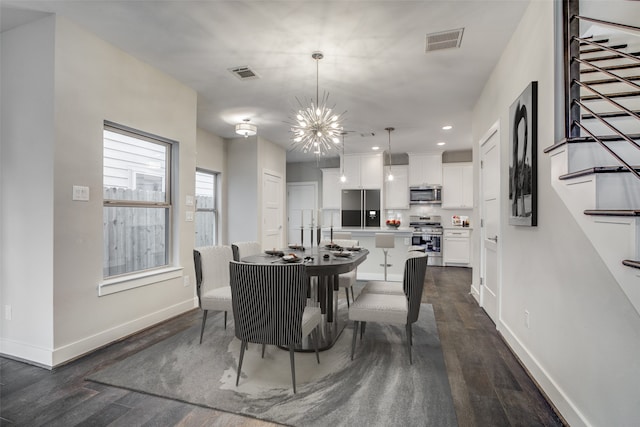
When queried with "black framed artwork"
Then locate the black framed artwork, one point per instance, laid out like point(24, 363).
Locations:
point(523, 142)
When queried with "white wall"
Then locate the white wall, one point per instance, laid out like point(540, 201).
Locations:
point(93, 82)
point(242, 207)
point(26, 180)
point(211, 155)
point(584, 337)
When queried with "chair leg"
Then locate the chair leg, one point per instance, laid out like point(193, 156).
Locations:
point(314, 335)
point(293, 367)
point(362, 327)
point(354, 338)
point(263, 346)
point(204, 320)
point(409, 343)
point(346, 290)
point(225, 320)
point(242, 347)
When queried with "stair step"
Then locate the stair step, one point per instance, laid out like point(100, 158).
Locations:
point(608, 115)
point(597, 170)
point(611, 57)
point(609, 81)
point(611, 68)
point(612, 212)
point(631, 263)
point(599, 49)
point(627, 94)
point(605, 40)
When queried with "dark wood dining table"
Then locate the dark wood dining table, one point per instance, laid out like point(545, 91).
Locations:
point(326, 265)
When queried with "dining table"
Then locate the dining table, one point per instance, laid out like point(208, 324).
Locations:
point(323, 265)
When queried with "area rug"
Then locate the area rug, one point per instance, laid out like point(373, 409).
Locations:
point(379, 387)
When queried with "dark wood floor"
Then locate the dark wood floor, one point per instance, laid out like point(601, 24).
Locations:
point(488, 385)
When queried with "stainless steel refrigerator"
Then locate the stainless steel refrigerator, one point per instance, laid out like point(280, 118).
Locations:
point(360, 208)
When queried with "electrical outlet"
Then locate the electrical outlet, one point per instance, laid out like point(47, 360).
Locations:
point(526, 318)
point(8, 312)
point(186, 280)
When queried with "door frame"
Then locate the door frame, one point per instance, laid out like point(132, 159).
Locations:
point(493, 130)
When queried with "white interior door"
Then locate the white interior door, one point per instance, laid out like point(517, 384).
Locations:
point(301, 202)
point(272, 209)
point(490, 214)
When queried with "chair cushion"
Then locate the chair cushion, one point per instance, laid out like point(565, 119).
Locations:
point(346, 280)
point(217, 299)
point(370, 307)
point(382, 287)
point(310, 319)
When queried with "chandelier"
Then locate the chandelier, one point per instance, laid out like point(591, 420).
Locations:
point(315, 128)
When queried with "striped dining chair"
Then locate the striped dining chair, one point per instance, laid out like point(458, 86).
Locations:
point(270, 307)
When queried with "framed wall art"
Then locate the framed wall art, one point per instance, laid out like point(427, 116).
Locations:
point(523, 142)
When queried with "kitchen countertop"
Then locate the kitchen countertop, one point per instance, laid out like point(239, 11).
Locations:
point(371, 230)
point(457, 227)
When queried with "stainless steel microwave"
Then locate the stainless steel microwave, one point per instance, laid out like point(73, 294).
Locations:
point(429, 194)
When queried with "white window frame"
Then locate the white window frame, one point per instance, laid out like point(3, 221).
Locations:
point(168, 271)
point(215, 210)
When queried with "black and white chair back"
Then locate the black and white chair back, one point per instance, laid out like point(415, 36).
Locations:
point(245, 249)
point(269, 307)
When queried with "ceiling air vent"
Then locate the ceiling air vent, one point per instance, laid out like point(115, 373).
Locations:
point(244, 73)
point(444, 40)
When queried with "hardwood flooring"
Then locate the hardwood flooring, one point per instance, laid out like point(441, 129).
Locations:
point(488, 385)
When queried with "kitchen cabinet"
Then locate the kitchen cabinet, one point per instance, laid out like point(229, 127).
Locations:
point(396, 192)
point(457, 246)
point(457, 186)
point(331, 188)
point(363, 171)
point(425, 169)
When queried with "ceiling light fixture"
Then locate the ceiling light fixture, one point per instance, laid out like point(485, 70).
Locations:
point(375, 148)
point(447, 127)
point(315, 128)
point(389, 174)
point(441, 143)
point(246, 129)
point(343, 177)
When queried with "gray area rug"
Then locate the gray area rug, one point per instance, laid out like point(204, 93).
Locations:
point(378, 388)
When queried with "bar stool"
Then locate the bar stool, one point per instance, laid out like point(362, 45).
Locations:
point(385, 241)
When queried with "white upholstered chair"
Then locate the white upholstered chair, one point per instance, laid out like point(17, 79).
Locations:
point(393, 309)
point(212, 280)
point(245, 249)
point(345, 280)
point(269, 307)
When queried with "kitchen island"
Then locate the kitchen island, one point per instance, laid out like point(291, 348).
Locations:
point(373, 267)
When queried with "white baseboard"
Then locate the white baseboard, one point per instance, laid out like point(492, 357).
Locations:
point(71, 351)
point(475, 293)
point(376, 276)
point(545, 382)
point(49, 358)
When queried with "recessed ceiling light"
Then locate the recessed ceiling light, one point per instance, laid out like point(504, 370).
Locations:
point(375, 148)
point(441, 143)
point(447, 127)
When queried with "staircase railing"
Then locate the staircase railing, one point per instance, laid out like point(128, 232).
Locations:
point(575, 66)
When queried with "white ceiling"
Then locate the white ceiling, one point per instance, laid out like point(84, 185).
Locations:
point(375, 67)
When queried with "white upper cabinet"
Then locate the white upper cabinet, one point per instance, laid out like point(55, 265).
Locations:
point(425, 169)
point(396, 192)
point(331, 190)
point(363, 171)
point(457, 186)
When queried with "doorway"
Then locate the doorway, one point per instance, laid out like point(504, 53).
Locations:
point(490, 222)
point(272, 210)
point(301, 202)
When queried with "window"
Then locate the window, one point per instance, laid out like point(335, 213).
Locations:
point(206, 208)
point(137, 201)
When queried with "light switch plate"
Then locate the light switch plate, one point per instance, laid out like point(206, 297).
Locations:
point(189, 216)
point(189, 200)
point(81, 193)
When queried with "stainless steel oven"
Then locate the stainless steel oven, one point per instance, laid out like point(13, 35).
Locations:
point(427, 234)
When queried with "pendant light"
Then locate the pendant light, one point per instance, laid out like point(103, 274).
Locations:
point(390, 172)
point(343, 177)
